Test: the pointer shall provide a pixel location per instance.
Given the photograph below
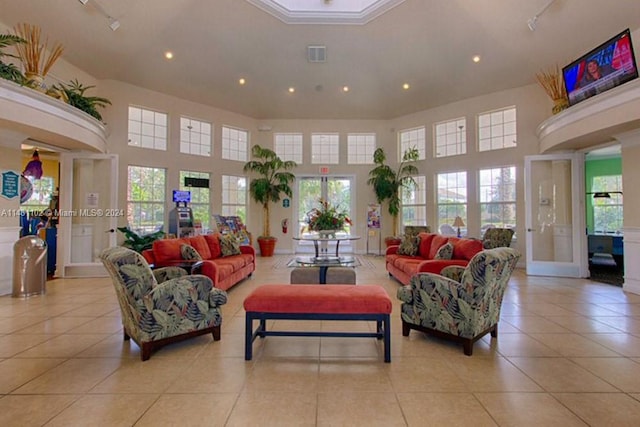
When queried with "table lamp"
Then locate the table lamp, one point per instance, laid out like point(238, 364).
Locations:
point(458, 222)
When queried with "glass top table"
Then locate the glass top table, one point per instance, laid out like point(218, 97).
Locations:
point(323, 263)
point(317, 239)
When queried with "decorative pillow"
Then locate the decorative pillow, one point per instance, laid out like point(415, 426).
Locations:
point(189, 253)
point(409, 245)
point(445, 251)
point(229, 245)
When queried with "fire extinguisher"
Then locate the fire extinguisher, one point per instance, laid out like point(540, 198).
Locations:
point(285, 225)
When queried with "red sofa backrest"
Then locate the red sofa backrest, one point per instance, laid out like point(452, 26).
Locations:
point(167, 250)
point(213, 240)
point(465, 248)
point(200, 244)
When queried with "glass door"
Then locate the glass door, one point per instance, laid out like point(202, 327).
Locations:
point(89, 212)
point(555, 226)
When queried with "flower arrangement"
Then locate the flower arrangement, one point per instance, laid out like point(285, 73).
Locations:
point(327, 217)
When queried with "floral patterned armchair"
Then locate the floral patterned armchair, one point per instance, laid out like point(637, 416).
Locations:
point(462, 304)
point(164, 305)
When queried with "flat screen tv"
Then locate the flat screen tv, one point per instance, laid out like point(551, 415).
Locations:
point(180, 196)
point(605, 67)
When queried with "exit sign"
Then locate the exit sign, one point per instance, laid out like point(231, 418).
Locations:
point(324, 170)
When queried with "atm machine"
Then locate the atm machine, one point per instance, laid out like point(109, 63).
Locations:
point(181, 217)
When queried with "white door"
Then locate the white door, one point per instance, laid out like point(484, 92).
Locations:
point(555, 224)
point(89, 212)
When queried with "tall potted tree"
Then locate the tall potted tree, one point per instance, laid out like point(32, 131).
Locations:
point(273, 179)
point(388, 183)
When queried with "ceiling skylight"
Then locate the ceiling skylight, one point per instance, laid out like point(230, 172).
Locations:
point(357, 12)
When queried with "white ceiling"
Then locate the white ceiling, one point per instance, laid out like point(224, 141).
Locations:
point(427, 43)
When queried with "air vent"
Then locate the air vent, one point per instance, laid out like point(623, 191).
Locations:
point(317, 53)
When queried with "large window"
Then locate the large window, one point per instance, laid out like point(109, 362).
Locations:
point(199, 198)
point(234, 196)
point(414, 202)
point(235, 144)
point(325, 148)
point(288, 146)
point(497, 129)
point(498, 198)
point(41, 196)
point(607, 211)
point(452, 201)
point(147, 129)
point(145, 199)
point(360, 148)
point(450, 137)
point(195, 137)
point(412, 138)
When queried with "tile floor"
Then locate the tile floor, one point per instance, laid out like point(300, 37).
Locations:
point(568, 354)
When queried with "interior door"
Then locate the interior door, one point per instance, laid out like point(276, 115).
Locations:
point(89, 212)
point(555, 218)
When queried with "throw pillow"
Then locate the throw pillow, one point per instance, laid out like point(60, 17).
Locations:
point(189, 253)
point(409, 245)
point(229, 245)
point(445, 251)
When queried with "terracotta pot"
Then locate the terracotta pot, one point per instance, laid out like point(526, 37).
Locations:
point(267, 245)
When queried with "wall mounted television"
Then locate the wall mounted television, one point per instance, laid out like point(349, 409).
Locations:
point(180, 196)
point(605, 67)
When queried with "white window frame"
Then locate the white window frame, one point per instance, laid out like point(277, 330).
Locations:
point(147, 128)
point(486, 191)
point(235, 144)
point(234, 196)
point(414, 198)
point(200, 198)
point(360, 148)
point(609, 184)
point(325, 148)
point(452, 198)
point(195, 137)
point(412, 138)
point(40, 199)
point(288, 146)
point(154, 206)
point(497, 129)
point(450, 137)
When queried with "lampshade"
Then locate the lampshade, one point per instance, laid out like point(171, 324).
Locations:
point(458, 222)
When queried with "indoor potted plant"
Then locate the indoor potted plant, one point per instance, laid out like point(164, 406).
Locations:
point(388, 183)
point(75, 93)
point(273, 180)
point(9, 71)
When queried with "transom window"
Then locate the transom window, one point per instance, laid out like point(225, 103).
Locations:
point(497, 129)
point(200, 198)
point(325, 148)
point(147, 128)
point(234, 196)
point(414, 202)
point(411, 138)
point(497, 198)
point(360, 148)
point(452, 201)
point(145, 199)
point(288, 146)
point(607, 211)
point(450, 137)
point(235, 144)
point(195, 137)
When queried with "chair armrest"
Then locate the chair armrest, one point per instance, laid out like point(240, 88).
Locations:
point(428, 284)
point(391, 250)
point(182, 290)
point(405, 294)
point(453, 272)
point(247, 249)
point(167, 273)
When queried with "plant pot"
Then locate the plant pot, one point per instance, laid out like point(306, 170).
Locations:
point(267, 245)
point(392, 241)
point(559, 105)
point(36, 81)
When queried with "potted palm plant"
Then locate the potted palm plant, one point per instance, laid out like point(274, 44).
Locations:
point(8, 70)
point(388, 183)
point(273, 179)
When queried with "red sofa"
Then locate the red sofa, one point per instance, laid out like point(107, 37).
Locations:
point(403, 267)
point(224, 271)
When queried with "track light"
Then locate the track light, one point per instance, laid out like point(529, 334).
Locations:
point(114, 24)
point(533, 22)
point(83, 1)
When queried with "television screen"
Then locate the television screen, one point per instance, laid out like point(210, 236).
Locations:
point(181, 196)
point(605, 67)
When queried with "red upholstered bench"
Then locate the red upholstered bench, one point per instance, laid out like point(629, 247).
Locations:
point(318, 302)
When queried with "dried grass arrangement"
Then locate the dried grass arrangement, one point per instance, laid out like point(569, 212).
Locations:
point(36, 57)
point(553, 84)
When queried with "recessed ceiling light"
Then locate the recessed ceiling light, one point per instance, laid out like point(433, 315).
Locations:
point(242, 81)
point(345, 88)
point(292, 89)
point(476, 58)
point(168, 55)
point(405, 86)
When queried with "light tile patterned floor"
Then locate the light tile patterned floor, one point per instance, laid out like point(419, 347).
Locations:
point(568, 354)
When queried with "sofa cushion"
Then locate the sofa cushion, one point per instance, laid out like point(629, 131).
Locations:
point(437, 241)
point(167, 250)
point(425, 244)
point(409, 245)
point(200, 244)
point(230, 245)
point(445, 251)
point(189, 253)
point(213, 241)
point(235, 262)
point(408, 265)
point(465, 248)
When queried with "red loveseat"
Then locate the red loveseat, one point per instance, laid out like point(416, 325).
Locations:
point(225, 271)
point(403, 267)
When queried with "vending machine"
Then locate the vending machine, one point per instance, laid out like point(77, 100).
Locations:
point(181, 217)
